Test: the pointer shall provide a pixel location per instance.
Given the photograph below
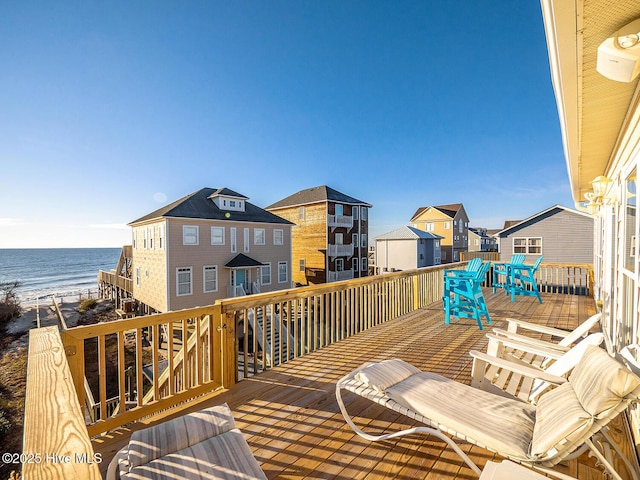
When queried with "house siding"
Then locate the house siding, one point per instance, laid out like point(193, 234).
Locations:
point(567, 237)
point(151, 264)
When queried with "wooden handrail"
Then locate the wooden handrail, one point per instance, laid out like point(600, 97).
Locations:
point(56, 442)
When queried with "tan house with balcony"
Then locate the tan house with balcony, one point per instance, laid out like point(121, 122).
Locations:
point(330, 235)
point(208, 245)
point(450, 222)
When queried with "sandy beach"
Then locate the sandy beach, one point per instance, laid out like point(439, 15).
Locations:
point(45, 314)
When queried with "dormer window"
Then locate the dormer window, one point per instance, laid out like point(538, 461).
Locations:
point(225, 200)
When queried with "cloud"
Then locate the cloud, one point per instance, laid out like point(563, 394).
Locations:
point(11, 222)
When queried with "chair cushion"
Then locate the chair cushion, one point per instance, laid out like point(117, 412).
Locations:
point(225, 456)
point(501, 424)
point(601, 382)
point(383, 375)
point(560, 419)
point(174, 435)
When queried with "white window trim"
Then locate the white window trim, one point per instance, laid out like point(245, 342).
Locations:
point(262, 282)
point(184, 234)
point(246, 239)
point(216, 228)
point(256, 235)
point(204, 278)
point(234, 240)
point(286, 272)
point(276, 240)
point(527, 245)
point(184, 269)
point(364, 264)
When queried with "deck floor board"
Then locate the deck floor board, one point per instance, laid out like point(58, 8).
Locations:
point(291, 420)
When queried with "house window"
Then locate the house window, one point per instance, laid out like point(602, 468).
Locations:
point(354, 240)
point(460, 226)
point(303, 265)
point(144, 238)
point(234, 241)
point(189, 235)
point(210, 279)
point(259, 236)
point(278, 237)
point(354, 264)
point(135, 238)
point(152, 233)
point(339, 210)
point(363, 237)
point(265, 274)
point(339, 239)
point(429, 226)
point(363, 264)
point(232, 204)
point(528, 245)
point(447, 225)
point(138, 276)
point(246, 239)
point(354, 212)
point(364, 213)
point(630, 222)
point(339, 265)
point(183, 281)
point(217, 235)
point(161, 237)
point(301, 213)
point(282, 272)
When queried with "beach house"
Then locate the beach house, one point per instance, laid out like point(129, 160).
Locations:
point(450, 222)
point(329, 237)
point(406, 248)
point(210, 244)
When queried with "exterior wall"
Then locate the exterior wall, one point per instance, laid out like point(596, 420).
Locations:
point(313, 239)
point(475, 242)
point(566, 238)
point(453, 241)
point(460, 234)
point(396, 255)
point(204, 254)
point(149, 262)
point(308, 242)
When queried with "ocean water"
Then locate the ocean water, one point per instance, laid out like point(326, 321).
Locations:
point(60, 271)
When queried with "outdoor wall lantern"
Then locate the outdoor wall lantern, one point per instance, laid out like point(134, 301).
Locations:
point(598, 196)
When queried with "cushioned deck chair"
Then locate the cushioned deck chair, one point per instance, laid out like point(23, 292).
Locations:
point(200, 445)
point(558, 428)
point(500, 370)
point(501, 270)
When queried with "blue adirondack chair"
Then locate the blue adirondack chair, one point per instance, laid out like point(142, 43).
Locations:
point(463, 296)
point(504, 270)
point(472, 267)
point(523, 281)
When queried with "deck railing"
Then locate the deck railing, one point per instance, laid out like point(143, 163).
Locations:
point(140, 366)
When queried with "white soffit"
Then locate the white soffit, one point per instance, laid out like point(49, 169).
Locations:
point(592, 108)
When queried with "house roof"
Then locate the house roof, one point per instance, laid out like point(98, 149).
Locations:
point(450, 210)
point(319, 194)
point(549, 211)
point(407, 233)
point(228, 192)
point(243, 261)
point(199, 205)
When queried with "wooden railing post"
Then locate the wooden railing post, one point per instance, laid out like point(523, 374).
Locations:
point(229, 355)
point(74, 351)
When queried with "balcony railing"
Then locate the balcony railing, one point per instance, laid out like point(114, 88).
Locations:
point(152, 363)
point(340, 221)
point(340, 250)
point(339, 276)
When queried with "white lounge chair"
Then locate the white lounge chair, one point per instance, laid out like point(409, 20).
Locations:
point(566, 337)
point(507, 377)
point(200, 445)
point(541, 436)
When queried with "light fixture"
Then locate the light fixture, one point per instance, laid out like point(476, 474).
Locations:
point(598, 196)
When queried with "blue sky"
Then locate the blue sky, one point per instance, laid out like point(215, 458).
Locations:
point(111, 110)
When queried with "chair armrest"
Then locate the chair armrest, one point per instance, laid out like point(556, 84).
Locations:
point(482, 360)
point(525, 346)
point(514, 324)
point(533, 341)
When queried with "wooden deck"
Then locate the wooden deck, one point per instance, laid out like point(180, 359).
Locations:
point(292, 423)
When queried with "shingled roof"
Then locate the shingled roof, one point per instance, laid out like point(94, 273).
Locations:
point(200, 205)
point(407, 233)
point(450, 210)
point(319, 194)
